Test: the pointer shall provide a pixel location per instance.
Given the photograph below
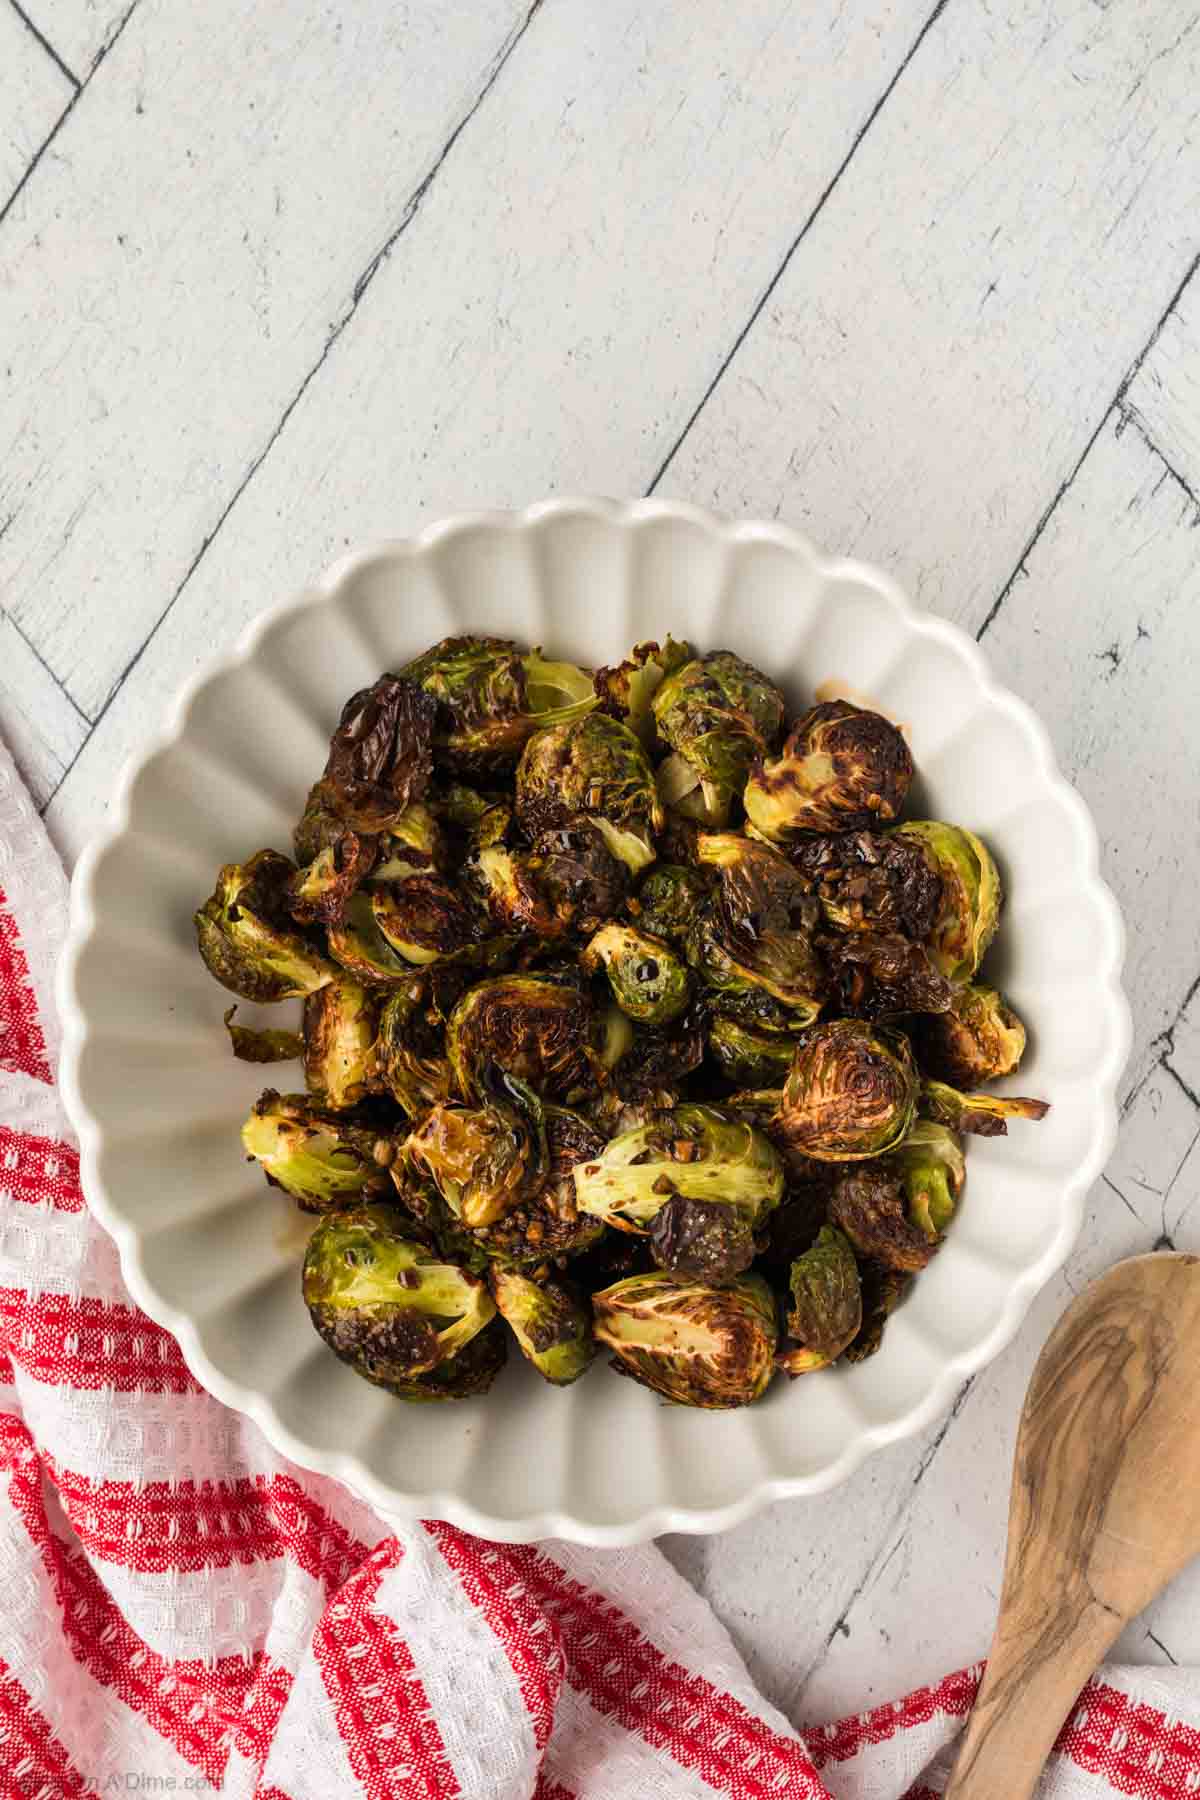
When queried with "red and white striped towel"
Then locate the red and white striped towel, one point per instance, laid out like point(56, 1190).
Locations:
point(182, 1611)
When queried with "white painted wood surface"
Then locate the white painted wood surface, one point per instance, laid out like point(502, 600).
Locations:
point(918, 278)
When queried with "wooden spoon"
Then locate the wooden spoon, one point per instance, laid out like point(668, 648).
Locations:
point(1105, 1509)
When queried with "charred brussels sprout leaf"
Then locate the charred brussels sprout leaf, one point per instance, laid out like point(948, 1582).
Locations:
point(322, 1158)
point(390, 1307)
point(978, 1039)
point(596, 766)
point(694, 1343)
point(321, 826)
point(882, 1291)
point(868, 1205)
point(484, 1160)
point(932, 1169)
point(756, 933)
point(870, 881)
point(425, 919)
point(340, 1024)
point(550, 1322)
point(851, 1092)
point(879, 975)
point(969, 910)
point(490, 697)
point(263, 1046)
point(986, 1115)
point(409, 1051)
point(826, 1309)
point(248, 939)
point(359, 945)
point(627, 689)
point(753, 1059)
point(841, 769)
point(381, 755)
point(648, 980)
point(670, 900)
point(319, 893)
point(536, 1029)
point(719, 715)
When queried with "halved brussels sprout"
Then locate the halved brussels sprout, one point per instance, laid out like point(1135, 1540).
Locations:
point(490, 697)
point(548, 1227)
point(978, 1039)
point(868, 1205)
point(692, 1342)
point(484, 1160)
point(270, 1046)
point(424, 919)
point(986, 1115)
point(842, 768)
point(882, 1291)
point(756, 932)
point(569, 881)
point(340, 1025)
point(594, 765)
point(409, 1051)
point(322, 1158)
point(414, 845)
point(718, 714)
point(754, 1059)
point(319, 893)
point(970, 898)
point(880, 975)
point(627, 689)
point(536, 1029)
point(826, 1309)
point(551, 1323)
point(648, 980)
point(670, 899)
point(932, 1169)
point(390, 1307)
point(381, 755)
point(874, 881)
point(247, 938)
point(321, 825)
point(851, 1092)
point(708, 1239)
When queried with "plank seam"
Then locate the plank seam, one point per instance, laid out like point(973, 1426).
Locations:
point(1131, 416)
point(47, 46)
point(43, 664)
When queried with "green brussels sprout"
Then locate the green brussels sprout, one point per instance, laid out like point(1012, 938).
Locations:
point(932, 1169)
point(692, 1342)
point(826, 1309)
point(986, 1115)
point(536, 1029)
point(841, 768)
point(648, 980)
point(612, 1035)
point(879, 975)
point(409, 1052)
point(669, 900)
point(270, 1046)
point(718, 714)
point(694, 1151)
point(851, 1092)
point(796, 1223)
point(569, 881)
point(484, 1160)
point(875, 881)
point(970, 894)
point(424, 919)
point(414, 845)
point(340, 1025)
point(551, 1324)
point(756, 932)
point(319, 893)
point(756, 1010)
point(458, 806)
point(882, 1291)
point(247, 938)
point(321, 826)
point(869, 1205)
point(381, 755)
point(322, 1158)
point(627, 689)
point(753, 1059)
point(390, 1307)
point(594, 765)
point(978, 1039)
point(490, 697)
point(548, 1227)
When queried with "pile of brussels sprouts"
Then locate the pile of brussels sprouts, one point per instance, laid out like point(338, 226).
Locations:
point(632, 1016)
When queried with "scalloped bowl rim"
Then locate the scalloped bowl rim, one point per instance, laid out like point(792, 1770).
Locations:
point(549, 1523)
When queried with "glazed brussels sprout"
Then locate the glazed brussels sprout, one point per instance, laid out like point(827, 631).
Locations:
point(868, 1205)
point(756, 931)
point(570, 881)
point(627, 689)
point(753, 1059)
point(850, 1093)
point(319, 893)
point(977, 1039)
point(874, 881)
point(879, 975)
point(548, 1227)
point(424, 919)
point(340, 1025)
point(718, 714)
point(595, 766)
point(670, 900)
point(247, 938)
point(648, 980)
point(533, 1028)
point(841, 768)
point(409, 1051)
point(826, 1294)
point(550, 1322)
point(358, 944)
point(707, 1239)
point(381, 755)
point(271, 1046)
point(970, 894)
point(986, 1115)
point(321, 825)
point(414, 845)
point(490, 698)
point(322, 1158)
point(484, 1160)
point(882, 1291)
point(390, 1307)
point(690, 1341)
point(932, 1169)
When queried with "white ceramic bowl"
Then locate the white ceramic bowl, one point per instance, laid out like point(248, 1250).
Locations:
point(157, 1099)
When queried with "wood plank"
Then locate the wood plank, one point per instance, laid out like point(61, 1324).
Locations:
point(177, 269)
point(619, 202)
point(1165, 397)
point(951, 332)
point(38, 722)
point(33, 93)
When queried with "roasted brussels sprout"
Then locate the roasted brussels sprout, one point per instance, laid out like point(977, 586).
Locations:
point(754, 1059)
point(826, 1309)
point(969, 910)
point(390, 1307)
point(879, 975)
point(756, 932)
point(534, 1028)
point(269, 1046)
point(850, 1093)
point(977, 1039)
point(359, 946)
point(986, 1115)
point(876, 881)
point(882, 1291)
point(550, 1322)
point(340, 1025)
point(321, 825)
point(932, 1169)
point(490, 698)
point(670, 900)
point(547, 1228)
point(796, 1223)
point(594, 765)
point(323, 1159)
point(381, 755)
point(648, 980)
point(484, 1160)
point(569, 881)
point(409, 1051)
point(414, 845)
point(708, 1239)
point(319, 893)
point(662, 1060)
point(868, 1205)
point(841, 768)
point(247, 938)
point(424, 919)
point(627, 689)
point(719, 715)
point(694, 1343)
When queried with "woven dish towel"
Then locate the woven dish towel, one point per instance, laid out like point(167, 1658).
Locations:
point(183, 1611)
